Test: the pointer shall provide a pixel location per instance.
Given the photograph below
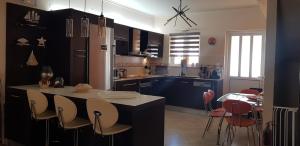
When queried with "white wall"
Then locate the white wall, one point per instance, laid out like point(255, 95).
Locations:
point(121, 14)
point(215, 24)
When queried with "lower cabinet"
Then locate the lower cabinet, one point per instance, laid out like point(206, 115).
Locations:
point(178, 91)
point(128, 85)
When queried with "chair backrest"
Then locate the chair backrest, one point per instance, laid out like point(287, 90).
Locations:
point(237, 107)
point(66, 109)
point(38, 102)
point(250, 91)
point(211, 92)
point(207, 98)
point(101, 113)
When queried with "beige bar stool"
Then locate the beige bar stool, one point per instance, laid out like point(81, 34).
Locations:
point(104, 116)
point(38, 104)
point(66, 112)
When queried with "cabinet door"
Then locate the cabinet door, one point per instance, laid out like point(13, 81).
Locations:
point(121, 32)
point(132, 85)
point(158, 86)
point(146, 87)
point(18, 121)
point(160, 45)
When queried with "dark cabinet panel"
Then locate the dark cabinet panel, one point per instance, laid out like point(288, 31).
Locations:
point(155, 44)
point(178, 91)
point(121, 35)
point(121, 32)
point(131, 85)
point(145, 87)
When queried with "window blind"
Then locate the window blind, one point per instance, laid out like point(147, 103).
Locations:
point(185, 44)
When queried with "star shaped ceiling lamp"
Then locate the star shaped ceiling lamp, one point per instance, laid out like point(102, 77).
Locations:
point(180, 11)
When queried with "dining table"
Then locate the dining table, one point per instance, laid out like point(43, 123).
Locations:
point(256, 101)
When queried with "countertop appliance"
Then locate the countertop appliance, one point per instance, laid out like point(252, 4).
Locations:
point(100, 61)
point(122, 73)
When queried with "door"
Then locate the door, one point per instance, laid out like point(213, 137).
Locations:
point(245, 60)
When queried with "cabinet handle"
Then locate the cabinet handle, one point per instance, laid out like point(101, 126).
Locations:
point(184, 82)
point(80, 56)
point(15, 96)
point(80, 50)
point(125, 85)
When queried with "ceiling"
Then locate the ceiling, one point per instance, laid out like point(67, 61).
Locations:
point(163, 7)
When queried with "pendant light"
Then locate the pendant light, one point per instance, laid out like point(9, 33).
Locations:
point(102, 29)
point(85, 24)
point(69, 25)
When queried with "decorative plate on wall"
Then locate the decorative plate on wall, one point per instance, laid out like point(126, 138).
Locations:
point(212, 41)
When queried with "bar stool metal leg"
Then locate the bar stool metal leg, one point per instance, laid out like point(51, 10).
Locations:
point(75, 137)
point(47, 133)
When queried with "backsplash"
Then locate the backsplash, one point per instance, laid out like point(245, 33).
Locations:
point(135, 66)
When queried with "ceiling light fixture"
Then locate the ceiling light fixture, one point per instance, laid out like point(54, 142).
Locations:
point(181, 12)
point(85, 24)
point(69, 24)
point(102, 28)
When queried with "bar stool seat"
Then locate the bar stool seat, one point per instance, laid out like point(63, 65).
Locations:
point(66, 111)
point(46, 115)
point(117, 128)
point(77, 123)
point(104, 117)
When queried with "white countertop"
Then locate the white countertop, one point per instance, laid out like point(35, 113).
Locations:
point(117, 97)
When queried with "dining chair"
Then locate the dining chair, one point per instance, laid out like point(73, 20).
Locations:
point(38, 104)
point(213, 113)
point(104, 116)
point(250, 91)
point(66, 112)
point(238, 109)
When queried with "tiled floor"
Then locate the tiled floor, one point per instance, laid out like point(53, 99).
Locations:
point(186, 129)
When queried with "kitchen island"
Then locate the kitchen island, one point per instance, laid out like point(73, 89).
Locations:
point(134, 109)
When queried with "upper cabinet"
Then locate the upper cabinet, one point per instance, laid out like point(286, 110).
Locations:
point(136, 42)
point(155, 44)
point(122, 39)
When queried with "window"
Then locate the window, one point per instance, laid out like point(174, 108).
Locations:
point(184, 46)
point(246, 55)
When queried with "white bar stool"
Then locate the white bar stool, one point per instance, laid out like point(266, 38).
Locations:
point(66, 112)
point(104, 117)
point(38, 105)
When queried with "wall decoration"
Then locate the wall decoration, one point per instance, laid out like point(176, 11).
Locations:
point(41, 42)
point(32, 17)
point(212, 41)
point(32, 60)
point(22, 42)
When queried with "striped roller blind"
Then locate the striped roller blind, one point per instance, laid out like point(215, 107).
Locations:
point(185, 44)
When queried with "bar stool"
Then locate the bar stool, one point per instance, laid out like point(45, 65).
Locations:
point(66, 112)
point(38, 105)
point(104, 116)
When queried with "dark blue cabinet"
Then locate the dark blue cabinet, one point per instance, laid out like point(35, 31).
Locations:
point(178, 91)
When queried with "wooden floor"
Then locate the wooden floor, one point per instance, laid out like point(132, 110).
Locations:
point(186, 129)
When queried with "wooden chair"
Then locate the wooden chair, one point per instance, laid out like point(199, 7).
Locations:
point(104, 117)
point(38, 104)
point(238, 109)
point(66, 112)
point(213, 113)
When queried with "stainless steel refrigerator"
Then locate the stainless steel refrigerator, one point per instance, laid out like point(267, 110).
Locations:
point(100, 68)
